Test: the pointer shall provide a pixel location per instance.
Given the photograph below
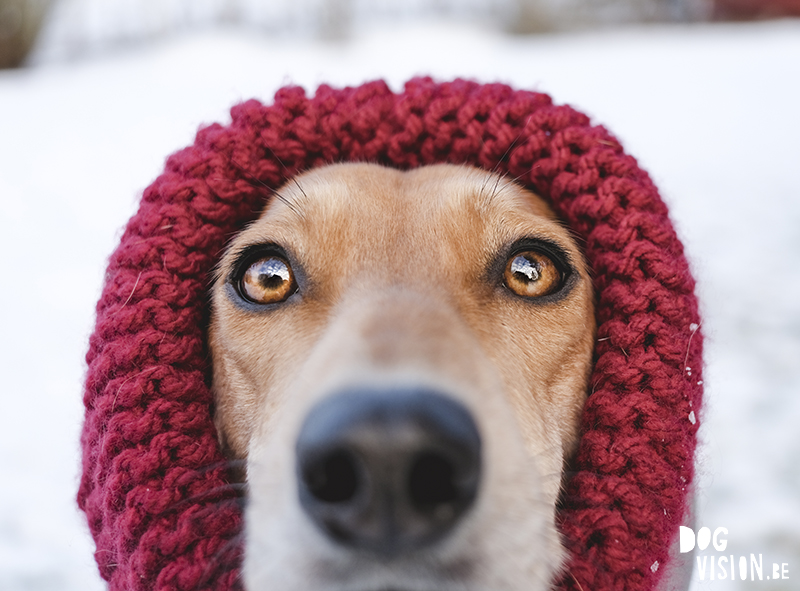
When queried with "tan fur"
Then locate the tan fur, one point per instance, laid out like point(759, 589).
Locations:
point(398, 288)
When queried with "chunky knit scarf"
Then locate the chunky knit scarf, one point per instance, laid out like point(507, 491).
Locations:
point(155, 485)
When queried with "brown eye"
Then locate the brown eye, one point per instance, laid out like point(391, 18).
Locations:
point(267, 280)
point(532, 274)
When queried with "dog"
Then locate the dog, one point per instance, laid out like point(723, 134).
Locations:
point(401, 359)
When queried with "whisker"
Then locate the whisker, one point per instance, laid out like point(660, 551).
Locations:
point(228, 463)
point(508, 151)
point(236, 490)
point(576, 581)
point(228, 555)
point(486, 180)
point(241, 168)
point(519, 176)
point(297, 183)
point(286, 169)
point(496, 185)
point(487, 197)
point(227, 492)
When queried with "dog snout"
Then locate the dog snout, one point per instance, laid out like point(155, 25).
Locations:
point(388, 471)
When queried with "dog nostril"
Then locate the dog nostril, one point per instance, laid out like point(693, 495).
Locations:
point(333, 478)
point(431, 482)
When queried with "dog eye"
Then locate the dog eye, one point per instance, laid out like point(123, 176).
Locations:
point(532, 274)
point(268, 280)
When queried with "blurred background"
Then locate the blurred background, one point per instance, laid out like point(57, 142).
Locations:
point(71, 29)
point(94, 94)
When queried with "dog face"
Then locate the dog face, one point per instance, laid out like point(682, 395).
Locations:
point(402, 359)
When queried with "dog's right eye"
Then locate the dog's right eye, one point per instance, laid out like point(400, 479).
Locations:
point(267, 280)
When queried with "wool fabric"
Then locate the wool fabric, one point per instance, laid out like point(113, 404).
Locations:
point(155, 485)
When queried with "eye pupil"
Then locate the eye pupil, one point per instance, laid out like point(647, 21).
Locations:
point(525, 269)
point(532, 274)
point(272, 272)
point(268, 280)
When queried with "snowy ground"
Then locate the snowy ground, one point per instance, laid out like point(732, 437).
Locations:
point(711, 111)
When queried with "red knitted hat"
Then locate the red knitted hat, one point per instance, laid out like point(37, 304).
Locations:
point(154, 484)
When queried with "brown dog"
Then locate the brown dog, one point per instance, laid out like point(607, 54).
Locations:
point(402, 359)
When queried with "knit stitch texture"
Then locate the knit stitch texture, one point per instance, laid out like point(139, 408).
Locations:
point(155, 484)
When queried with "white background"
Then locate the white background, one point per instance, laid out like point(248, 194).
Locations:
point(711, 111)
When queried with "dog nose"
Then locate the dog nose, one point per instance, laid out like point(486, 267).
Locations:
point(388, 471)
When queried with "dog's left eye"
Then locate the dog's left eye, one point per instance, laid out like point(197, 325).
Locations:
point(267, 280)
point(532, 274)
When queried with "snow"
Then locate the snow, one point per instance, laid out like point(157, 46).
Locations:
point(709, 110)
